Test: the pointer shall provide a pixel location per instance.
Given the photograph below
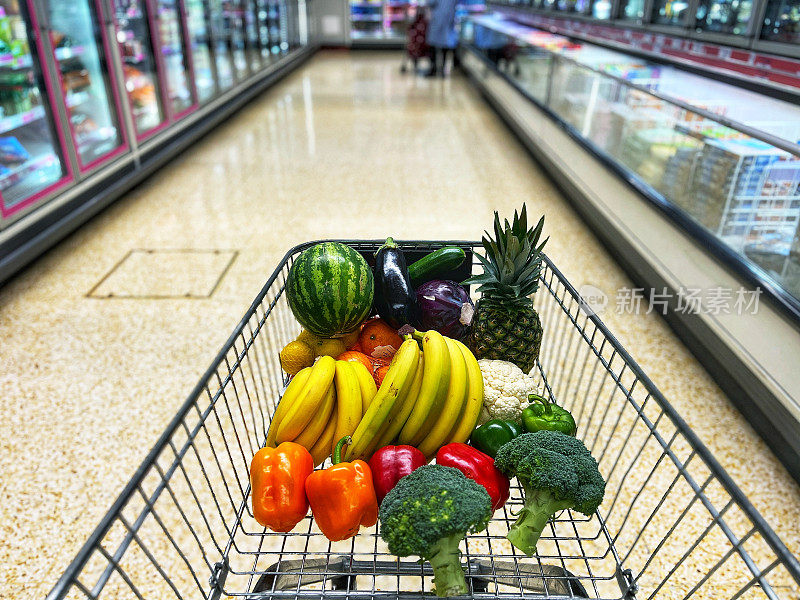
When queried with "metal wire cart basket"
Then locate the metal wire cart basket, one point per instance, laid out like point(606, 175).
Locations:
point(673, 523)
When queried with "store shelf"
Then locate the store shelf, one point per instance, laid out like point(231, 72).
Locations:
point(78, 98)
point(20, 172)
point(134, 60)
point(24, 118)
point(16, 62)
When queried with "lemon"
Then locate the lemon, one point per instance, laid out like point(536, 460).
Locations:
point(296, 356)
point(307, 338)
point(329, 347)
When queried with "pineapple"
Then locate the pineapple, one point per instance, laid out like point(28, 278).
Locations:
point(505, 325)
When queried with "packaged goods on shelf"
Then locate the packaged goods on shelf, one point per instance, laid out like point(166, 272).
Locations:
point(727, 182)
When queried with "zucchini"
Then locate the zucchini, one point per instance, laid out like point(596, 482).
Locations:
point(434, 264)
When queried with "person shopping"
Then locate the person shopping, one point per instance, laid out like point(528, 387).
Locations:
point(442, 34)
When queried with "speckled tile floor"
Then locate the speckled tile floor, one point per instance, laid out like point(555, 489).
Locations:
point(345, 147)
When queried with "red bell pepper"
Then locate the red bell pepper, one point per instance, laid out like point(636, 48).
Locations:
point(477, 466)
point(390, 464)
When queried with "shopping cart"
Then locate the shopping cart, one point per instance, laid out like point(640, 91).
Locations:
point(416, 42)
point(673, 524)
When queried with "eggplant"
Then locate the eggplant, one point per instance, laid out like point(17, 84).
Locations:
point(395, 299)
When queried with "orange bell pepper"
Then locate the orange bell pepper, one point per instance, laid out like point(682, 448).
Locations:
point(342, 496)
point(278, 477)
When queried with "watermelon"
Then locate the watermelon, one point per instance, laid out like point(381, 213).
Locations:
point(330, 289)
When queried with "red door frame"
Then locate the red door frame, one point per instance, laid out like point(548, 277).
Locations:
point(124, 144)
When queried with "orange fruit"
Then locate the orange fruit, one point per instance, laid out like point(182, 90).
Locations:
point(353, 356)
point(380, 373)
point(379, 340)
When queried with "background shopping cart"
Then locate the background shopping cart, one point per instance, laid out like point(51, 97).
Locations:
point(673, 524)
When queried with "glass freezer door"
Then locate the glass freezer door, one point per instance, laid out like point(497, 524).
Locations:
point(251, 33)
point(139, 65)
point(782, 21)
point(277, 15)
point(262, 21)
point(200, 43)
point(221, 41)
point(173, 56)
point(93, 109)
point(724, 16)
point(234, 25)
point(30, 157)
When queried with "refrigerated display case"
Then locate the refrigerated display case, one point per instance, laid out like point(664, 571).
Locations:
point(725, 158)
point(389, 20)
point(782, 22)
point(366, 19)
point(31, 159)
point(724, 16)
point(262, 27)
point(233, 22)
point(222, 44)
point(601, 9)
point(252, 42)
point(631, 10)
point(200, 44)
point(670, 12)
point(139, 65)
point(277, 23)
point(91, 102)
point(97, 94)
point(174, 60)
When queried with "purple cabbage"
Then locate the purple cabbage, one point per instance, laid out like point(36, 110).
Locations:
point(446, 307)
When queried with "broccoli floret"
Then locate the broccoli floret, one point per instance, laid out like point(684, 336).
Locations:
point(556, 472)
point(428, 513)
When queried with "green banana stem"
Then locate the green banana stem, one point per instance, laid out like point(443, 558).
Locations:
point(337, 451)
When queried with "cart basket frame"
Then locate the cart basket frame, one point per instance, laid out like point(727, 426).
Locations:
point(673, 522)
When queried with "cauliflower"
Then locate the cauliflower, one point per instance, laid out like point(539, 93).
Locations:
point(505, 390)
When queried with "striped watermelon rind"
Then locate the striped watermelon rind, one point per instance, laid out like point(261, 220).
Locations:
point(330, 289)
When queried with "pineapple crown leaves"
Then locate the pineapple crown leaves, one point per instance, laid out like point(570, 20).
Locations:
point(513, 260)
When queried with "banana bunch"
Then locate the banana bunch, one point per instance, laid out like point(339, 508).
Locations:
point(428, 399)
point(322, 404)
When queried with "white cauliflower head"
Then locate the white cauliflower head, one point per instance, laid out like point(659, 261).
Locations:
point(505, 390)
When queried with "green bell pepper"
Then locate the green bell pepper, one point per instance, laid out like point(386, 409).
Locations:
point(491, 435)
point(544, 415)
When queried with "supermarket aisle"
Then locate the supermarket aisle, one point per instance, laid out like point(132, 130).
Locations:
point(95, 361)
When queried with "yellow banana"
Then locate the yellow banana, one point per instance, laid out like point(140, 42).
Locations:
point(472, 408)
point(401, 410)
point(289, 396)
point(322, 449)
point(400, 376)
point(348, 400)
point(367, 384)
point(307, 404)
point(318, 422)
point(453, 405)
point(435, 381)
